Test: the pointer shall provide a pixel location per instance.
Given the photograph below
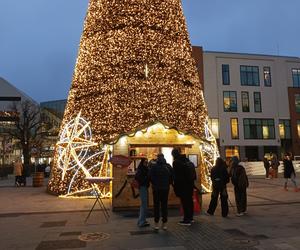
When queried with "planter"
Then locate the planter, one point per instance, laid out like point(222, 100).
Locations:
point(38, 179)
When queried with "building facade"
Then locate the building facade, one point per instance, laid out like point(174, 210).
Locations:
point(9, 95)
point(253, 103)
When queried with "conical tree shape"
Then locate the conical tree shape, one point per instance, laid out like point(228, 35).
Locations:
point(134, 68)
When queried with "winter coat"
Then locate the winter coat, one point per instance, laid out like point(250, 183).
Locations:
point(161, 175)
point(142, 176)
point(18, 169)
point(219, 176)
point(288, 168)
point(182, 181)
point(239, 177)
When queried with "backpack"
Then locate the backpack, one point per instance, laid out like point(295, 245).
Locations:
point(191, 171)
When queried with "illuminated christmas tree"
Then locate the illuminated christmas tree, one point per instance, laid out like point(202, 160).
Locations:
point(134, 69)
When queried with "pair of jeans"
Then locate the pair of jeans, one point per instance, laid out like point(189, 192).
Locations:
point(222, 191)
point(144, 205)
point(187, 204)
point(160, 201)
point(240, 199)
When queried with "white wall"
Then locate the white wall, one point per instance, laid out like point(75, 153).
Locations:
point(274, 100)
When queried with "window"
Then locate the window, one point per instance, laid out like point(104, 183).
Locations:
point(245, 101)
point(225, 74)
point(297, 102)
point(232, 151)
point(259, 129)
point(298, 128)
point(229, 100)
point(257, 102)
point(296, 77)
point(267, 77)
point(285, 129)
point(249, 75)
point(214, 127)
point(234, 128)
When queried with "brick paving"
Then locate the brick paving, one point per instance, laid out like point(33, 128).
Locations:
point(32, 219)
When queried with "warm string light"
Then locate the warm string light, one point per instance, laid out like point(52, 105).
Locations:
point(134, 68)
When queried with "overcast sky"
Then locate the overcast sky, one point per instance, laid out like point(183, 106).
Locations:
point(39, 38)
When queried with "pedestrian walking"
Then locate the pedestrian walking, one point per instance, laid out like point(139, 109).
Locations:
point(161, 177)
point(240, 182)
point(289, 172)
point(267, 167)
point(274, 165)
point(219, 177)
point(18, 170)
point(184, 177)
point(142, 178)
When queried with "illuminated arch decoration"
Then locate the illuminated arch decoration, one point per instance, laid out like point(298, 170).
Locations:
point(77, 157)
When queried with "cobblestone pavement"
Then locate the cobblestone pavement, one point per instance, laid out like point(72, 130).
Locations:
point(32, 219)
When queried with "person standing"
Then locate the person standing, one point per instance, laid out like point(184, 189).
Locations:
point(240, 182)
point(184, 177)
point(274, 165)
point(142, 178)
point(161, 177)
point(289, 172)
point(220, 178)
point(267, 166)
point(18, 170)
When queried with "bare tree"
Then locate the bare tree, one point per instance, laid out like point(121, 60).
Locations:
point(27, 128)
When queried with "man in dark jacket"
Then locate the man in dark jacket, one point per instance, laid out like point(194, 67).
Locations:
point(183, 185)
point(219, 177)
point(161, 179)
point(240, 182)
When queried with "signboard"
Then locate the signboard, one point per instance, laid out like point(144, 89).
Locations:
point(120, 161)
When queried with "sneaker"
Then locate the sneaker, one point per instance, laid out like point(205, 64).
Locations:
point(193, 221)
point(239, 214)
point(184, 223)
point(164, 226)
point(156, 227)
point(208, 214)
point(245, 212)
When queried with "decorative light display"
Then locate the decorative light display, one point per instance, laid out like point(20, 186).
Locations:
point(134, 69)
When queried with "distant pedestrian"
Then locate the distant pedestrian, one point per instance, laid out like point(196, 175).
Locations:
point(219, 177)
point(240, 182)
point(267, 167)
point(184, 177)
point(161, 177)
point(274, 165)
point(18, 170)
point(289, 172)
point(142, 177)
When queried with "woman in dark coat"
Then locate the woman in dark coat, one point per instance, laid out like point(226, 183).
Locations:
point(289, 172)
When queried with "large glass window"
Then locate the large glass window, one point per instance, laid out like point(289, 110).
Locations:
point(231, 151)
point(214, 126)
point(296, 77)
point(297, 102)
point(284, 129)
point(245, 101)
point(229, 100)
point(257, 101)
point(234, 128)
point(249, 75)
point(259, 129)
point(267, 77)
point(225, 74)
